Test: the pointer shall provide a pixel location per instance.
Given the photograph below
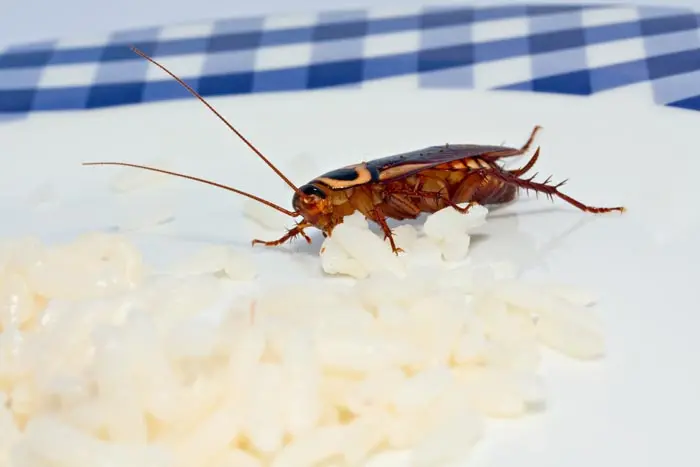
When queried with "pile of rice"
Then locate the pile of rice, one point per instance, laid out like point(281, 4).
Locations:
point(104, 362)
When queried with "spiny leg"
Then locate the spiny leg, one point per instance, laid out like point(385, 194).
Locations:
point(291, 233)
point(526, 168)
point(528, 144)
point(438, 195)
point(523, 149)
point(399, 206)
point(378, 216)
point(418, 192)
point(466, 190)
point(549, 190)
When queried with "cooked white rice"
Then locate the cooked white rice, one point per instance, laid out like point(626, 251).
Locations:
point(103, 364)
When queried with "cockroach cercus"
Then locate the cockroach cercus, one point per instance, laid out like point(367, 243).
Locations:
point(399, 187)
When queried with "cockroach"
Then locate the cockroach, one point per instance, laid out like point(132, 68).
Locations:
point(399, 187)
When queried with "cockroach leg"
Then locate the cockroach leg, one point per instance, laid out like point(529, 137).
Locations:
point(397, 205)
point(377, 216)
point(291, 234)
point(517, 152)
point(528, 144)
point(549, 190)
point(306, 237)
point(418, 185)
point(553, 190)
point(462, 210)
point(467, 189)
point(417, 190)
point(526, 168)
point(435, 195)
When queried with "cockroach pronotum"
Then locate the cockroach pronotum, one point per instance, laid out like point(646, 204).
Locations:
point(399, 187)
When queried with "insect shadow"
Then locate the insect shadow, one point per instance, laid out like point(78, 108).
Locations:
point(507, 242)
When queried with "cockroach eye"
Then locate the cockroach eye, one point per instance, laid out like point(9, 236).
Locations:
point(312, 190)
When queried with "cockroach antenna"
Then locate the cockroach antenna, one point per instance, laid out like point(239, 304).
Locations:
point(232, 128)
point(226, 122)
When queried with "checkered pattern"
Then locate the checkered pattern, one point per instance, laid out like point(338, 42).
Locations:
point(567, 49)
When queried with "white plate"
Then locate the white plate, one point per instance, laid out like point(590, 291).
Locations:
point(636, 407)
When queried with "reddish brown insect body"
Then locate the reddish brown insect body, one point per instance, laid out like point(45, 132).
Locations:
point(399, 187)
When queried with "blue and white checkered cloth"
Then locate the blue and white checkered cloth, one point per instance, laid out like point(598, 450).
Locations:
point(567, 49)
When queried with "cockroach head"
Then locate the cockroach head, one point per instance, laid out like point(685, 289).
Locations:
point(310, 201)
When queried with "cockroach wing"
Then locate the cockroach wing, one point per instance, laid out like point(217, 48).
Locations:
point(404, 165)
point(399, 166)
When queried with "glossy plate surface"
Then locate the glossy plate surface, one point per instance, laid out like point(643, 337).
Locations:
point(636, 407)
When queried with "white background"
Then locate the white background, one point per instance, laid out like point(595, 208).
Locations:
point(33, 20)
